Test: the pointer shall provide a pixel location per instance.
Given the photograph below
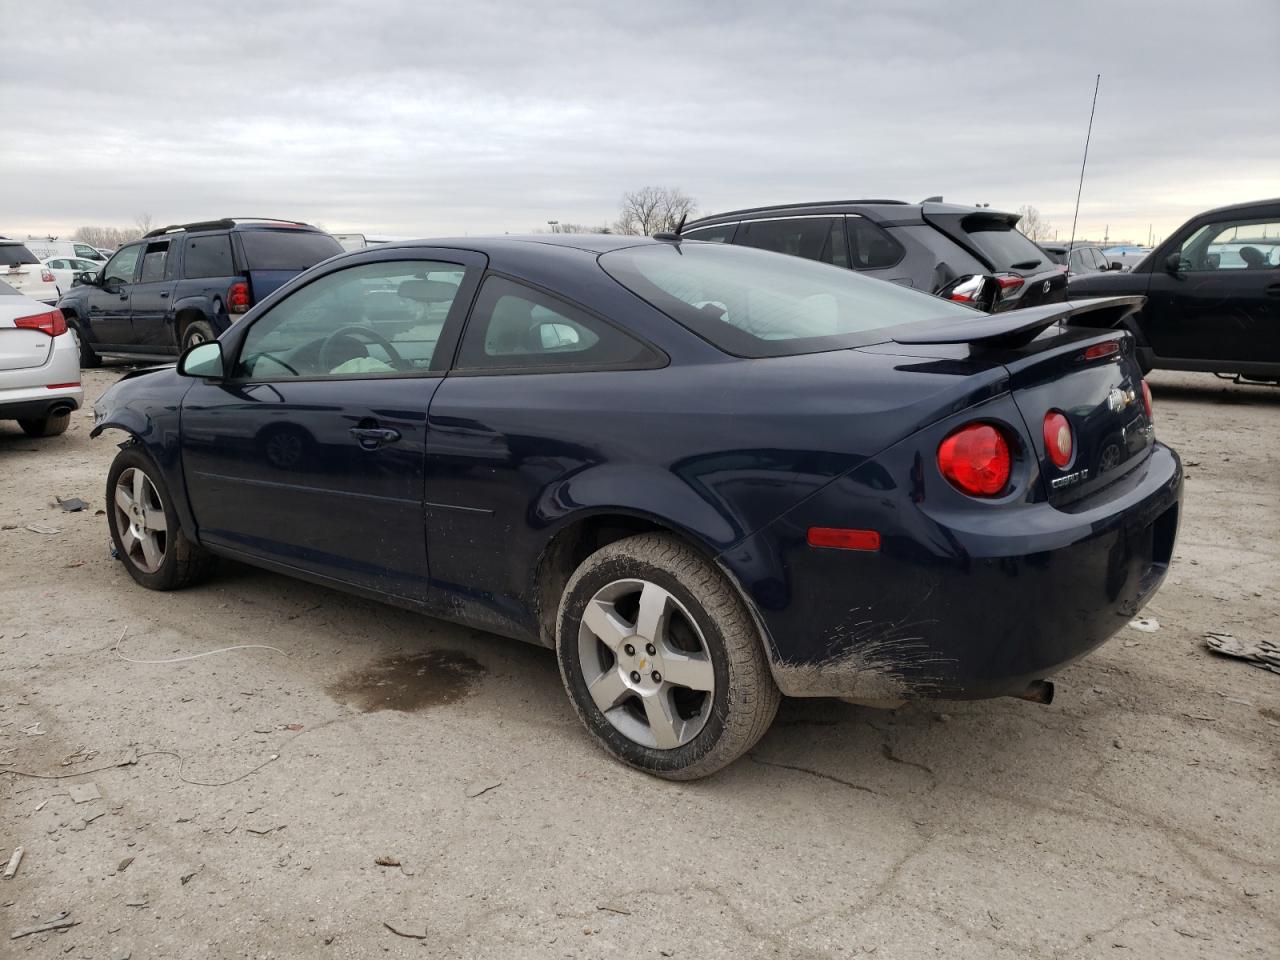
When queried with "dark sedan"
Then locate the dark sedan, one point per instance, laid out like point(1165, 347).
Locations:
point(706, 475)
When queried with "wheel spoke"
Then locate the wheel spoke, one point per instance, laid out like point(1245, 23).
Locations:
point(608, 690)
point(602, 619)
point(155, 519)
point(127, 540)
point(123, 500)
point(664, 722)
point(651, 622)
point(151, 550)
point(694, 672)
point(139, 486)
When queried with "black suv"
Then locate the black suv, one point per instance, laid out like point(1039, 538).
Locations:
point(183, 284)
point(931, 246)
point(1213, 294)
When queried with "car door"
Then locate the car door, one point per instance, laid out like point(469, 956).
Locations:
point(1220, 299)
point(108, 301)
point(310, 454)
point(528, 362)
point(151, 301)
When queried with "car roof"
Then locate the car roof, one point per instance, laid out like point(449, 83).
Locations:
point(890, 212)
point(233, 223)
point(594, 243)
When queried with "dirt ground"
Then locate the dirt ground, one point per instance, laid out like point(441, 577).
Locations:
point(247, 796)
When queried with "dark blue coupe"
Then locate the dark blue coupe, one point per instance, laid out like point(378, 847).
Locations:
point(706, 475)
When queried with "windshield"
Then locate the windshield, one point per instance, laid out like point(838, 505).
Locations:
point(287, 249)
point(15, 254)
point(752, 303)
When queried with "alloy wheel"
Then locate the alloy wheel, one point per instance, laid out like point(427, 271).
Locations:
point(646, 664)
point(140, 520)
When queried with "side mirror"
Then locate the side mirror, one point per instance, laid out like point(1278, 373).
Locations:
point(1115, 265)
point(975, 289)
point(203, 360)
point(84, 277)
point(1173, 263)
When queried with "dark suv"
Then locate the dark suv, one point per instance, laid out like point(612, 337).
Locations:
point(1213, 294)
point(183, 284)
point(931, 246)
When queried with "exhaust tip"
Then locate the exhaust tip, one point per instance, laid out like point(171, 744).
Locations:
point(1038, 691)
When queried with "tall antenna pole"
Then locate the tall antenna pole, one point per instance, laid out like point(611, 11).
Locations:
point(1096, 83)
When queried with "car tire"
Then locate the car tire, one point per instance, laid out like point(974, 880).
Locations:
point(88, 358)
point(172, 560)
point(49, 426)
point(706, 636)
point(197, 331)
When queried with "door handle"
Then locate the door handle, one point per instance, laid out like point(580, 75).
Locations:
point(373, 437)
point(164, 294)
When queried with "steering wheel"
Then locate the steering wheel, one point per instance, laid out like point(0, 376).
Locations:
point(393, 355)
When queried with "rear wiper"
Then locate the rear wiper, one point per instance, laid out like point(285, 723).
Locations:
point(1024, 265)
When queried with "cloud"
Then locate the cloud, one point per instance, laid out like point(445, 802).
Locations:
point(432, 119)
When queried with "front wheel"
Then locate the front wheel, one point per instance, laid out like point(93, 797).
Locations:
point(145, 529)
point(88, 357)
point(661, 659)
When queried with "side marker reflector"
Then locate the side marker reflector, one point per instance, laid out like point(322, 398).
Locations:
point(838, 538)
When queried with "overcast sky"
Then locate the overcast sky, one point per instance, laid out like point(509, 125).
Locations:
point(431, 119)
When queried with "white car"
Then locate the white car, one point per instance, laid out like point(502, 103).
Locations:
point(66, 269)
point(39, 365)
point(20, 269)
point(48, 248)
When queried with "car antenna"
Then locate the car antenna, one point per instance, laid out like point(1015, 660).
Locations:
point(1089, 133)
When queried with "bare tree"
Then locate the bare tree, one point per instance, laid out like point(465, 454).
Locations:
point(651, 210)
point(1033, 224)
point(560, 226)
point(111, 237)
point(143, 222)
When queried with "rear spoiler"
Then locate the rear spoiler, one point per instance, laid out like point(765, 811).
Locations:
point(1015, 328)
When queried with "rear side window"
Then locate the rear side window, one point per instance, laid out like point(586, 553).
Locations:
point(13, 254)
point(209, 256)
point(751, 304)
point(814, 238)
point(153, 261)
point(286, 249)
point(720, 233)
point(870, 247)
point(513, 327)
point(999, 242)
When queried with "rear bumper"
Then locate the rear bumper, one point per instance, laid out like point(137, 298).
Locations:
point(964, 605)
point(37, 403)
point(25, 393)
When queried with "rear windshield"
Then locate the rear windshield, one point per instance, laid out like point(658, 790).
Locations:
point(1005, 247)
point(752, 303)
point(12, 254)
point(286, 249)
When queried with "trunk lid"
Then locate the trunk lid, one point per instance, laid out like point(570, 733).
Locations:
point(1064, 358)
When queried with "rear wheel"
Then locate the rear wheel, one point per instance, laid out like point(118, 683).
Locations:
point(48, 426)
point(197, 331)
point(145, 528)
point(662, 660)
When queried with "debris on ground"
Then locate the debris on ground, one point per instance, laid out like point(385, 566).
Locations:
point(33, 730)
point(610, 908)
point(71, 504)
point(407, 928)
point(60, 922)
point(262, 829)
point(41, 528)
point(187, 877)
point(14, 860)
point(83, 792)
point(387, 861)
point(1145, 624)
point(124, 865)
point(1264, 653)
point(481, 785)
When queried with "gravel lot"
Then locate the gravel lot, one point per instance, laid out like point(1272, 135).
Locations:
point(246, 796)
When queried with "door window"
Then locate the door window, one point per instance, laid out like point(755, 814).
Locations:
point(122, 267)
point(377, 319)
point(513, 326)
point(84, 250)
point(720, 233)
point(1233, 245)
point(208, 256)
point(870, 247)
point(153, 261)
point(814, 238)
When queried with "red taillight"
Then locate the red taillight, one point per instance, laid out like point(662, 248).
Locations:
point(1008, 281)
point(1058, 442)
point(238, 298)
point(1146, 401)
point(976, 460)
point(46, 276)
point(1100, 350)
point(53, 323)
point(839, 538)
